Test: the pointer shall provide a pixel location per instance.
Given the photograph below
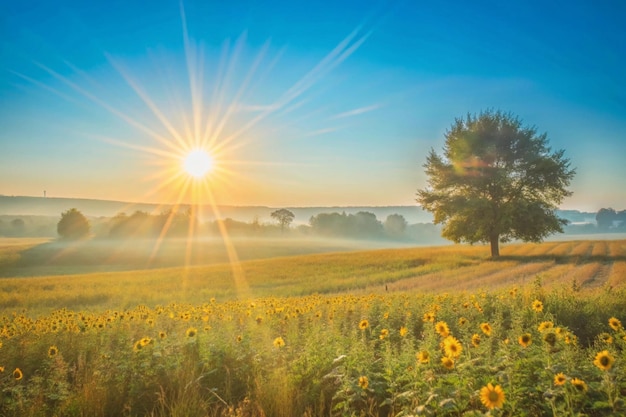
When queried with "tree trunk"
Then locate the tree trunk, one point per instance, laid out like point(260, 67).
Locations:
point(495, 248)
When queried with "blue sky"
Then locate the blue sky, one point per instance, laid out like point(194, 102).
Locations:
point(332, 103)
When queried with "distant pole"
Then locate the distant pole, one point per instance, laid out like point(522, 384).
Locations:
point(44, 193)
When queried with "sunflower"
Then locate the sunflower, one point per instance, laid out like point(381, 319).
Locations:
point(550, 338)
point(239, 338)
point(53, 351)
point(17, 374)
point(162, 335)
point(452, 347)
point(384, 333)
point(604, 360)
point(462, 321)
point(403, 331)
point(579, 384)
point(442, 328)
point(259, 320)
point(570, 339)
point(545, 325)
point(363, 382)
point(560, 379)
point(145, 341)
point(191, 332)
point(1, 369)
point(429, 317)
point(364, 324)
point(615, 323)
point(606, 338)
point(423, 356)
point(486, 328)
point(492, 397)
point(279, 342)
point(447, 362)
point(537, 306)
point(525, 340)
point(475, 340)
point(137, 346)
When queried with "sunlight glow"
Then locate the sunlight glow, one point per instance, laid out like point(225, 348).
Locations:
point(196, 144)
point(198, 163)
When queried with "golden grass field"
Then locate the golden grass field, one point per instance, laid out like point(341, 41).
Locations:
point(338, 333)
point(587, 264)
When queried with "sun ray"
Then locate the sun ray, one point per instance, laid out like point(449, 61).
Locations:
point(149, 103)
point(339, 54)
point(207, 121)
point(125, 144)
point(45, 87)
point(109, 108)
point(239, 278)
point(240, 92)
point(224, 85)
point(169, 220)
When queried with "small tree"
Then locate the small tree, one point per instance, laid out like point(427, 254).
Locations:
point(284, 217)
point(497, 180)
point(605, 218)
point(73, 225)
point(395, 225)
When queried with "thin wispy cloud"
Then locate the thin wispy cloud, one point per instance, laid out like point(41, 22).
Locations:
point(356, 112)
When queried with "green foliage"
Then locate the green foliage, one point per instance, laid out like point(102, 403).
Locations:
point(284, 217)
point(497, 180)
point(362, 225)
point(395, 225)
point(73, 225)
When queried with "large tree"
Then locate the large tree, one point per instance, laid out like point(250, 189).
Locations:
point(73, 225)
point(496, 180)
point(284, 217)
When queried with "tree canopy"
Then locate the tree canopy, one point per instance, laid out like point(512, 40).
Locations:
point(284, 217)
point(73, 225)
point(497, 180)
point(605, 218)
point(362, 225)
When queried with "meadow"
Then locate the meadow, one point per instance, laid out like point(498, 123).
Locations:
point(442, 331)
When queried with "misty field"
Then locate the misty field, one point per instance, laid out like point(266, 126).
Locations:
point(440, 331)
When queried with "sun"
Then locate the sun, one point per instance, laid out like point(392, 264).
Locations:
point(198, 163)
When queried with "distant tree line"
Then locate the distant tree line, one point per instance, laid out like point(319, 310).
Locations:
point(607, 220)
point(362, 225)
point(27, 226)
point(142, 224)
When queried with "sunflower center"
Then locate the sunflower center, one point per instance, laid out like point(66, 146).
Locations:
point(493, 396)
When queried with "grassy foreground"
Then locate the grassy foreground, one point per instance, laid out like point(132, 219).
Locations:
point(319, 335)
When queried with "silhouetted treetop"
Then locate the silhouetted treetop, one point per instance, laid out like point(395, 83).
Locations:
point(73, 225)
